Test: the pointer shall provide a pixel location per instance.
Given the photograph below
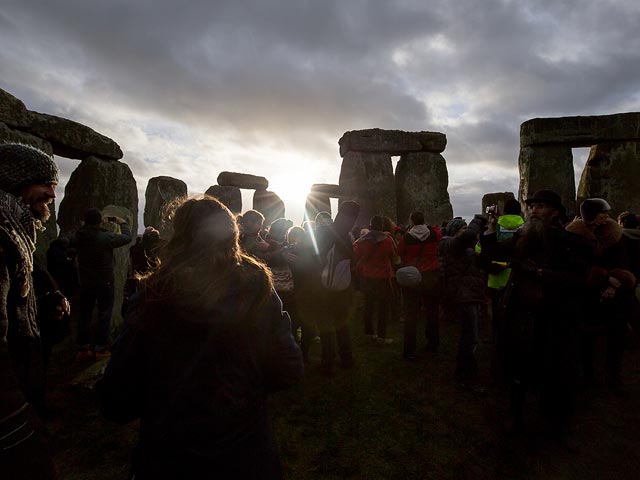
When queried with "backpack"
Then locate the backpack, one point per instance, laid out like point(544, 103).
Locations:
point(336, 274)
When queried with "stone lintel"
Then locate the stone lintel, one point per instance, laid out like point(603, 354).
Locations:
point(393, 142)
point(581, 131)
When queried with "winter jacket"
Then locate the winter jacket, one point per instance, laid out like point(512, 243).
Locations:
point(23, 451)
point(551, 279)
point(374, 253)
point(198, 378)
point(464, 280)
point(95, 252)
point(420, 245)
point(610, 258)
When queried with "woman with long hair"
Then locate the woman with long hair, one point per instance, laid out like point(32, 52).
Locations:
point(204, 343)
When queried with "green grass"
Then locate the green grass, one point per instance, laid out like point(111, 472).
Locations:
point(384, 419)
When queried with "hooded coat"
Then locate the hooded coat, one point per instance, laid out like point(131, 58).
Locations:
point(419, 247)
point(374, 253)
point(198, 377)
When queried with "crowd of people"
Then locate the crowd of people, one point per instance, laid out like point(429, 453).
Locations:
point(227, 310)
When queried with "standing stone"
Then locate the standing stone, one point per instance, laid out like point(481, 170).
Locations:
point(121, 257)
point(242, 180)
point(498, 198)
point(97, 183)
point(229, 196)
point(268, 204)
point(316, 202)
point(160, 194)
point(612, 172)
point(367, 178)
point(421, 184)
point(547, 167)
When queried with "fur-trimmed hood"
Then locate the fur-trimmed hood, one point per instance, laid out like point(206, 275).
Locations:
point(603, 236)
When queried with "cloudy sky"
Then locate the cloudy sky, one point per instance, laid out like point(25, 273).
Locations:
point(189, 89)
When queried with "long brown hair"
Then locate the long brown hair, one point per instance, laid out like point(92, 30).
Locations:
point(203, 260)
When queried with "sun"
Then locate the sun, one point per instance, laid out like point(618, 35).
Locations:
point(293, 188)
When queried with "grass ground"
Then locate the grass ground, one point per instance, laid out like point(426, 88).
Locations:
point(384, 419)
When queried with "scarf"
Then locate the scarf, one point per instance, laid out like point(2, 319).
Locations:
point(18, 237)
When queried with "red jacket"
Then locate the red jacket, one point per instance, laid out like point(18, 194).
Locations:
point(374, 253)
point(422, 241)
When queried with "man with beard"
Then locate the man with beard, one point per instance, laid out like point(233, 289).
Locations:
point(28, 178)
point(540, 307)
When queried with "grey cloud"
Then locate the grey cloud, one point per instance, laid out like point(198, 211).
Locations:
point(295, 75)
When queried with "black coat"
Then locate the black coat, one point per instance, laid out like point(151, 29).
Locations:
point(198, 380)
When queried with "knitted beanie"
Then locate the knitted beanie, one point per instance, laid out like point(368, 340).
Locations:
point(454, 225)
point(22, 165)
point(591, 207)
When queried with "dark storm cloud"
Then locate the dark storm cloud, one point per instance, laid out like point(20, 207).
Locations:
point(260, 65)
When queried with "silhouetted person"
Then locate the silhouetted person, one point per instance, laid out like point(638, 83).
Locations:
point(28, 178)
point(96, 262)
point(543, 304)
point(203, 346)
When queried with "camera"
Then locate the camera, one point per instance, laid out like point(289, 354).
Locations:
point(111, 219)
point(492, 210)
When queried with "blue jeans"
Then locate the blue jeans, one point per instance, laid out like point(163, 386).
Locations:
point(103, 295)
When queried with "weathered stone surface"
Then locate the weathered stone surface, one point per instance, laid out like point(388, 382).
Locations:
point(9, 135)
point(421, 184)
point(161, 192)
point(73, 140)
point(393, 142)
point(97, 183)
point(13, 112)
point(316, 202)
point(242, 180)
point(44, 239)
point(328, 189)
point(269, 204)
point(121, 257)
point(548, 167)
point(496, 198)
point(230, 196)
point(367, 178)
point(581, 131)
point(612, 172)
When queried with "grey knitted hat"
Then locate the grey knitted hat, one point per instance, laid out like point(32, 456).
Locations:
point(22, 165)
point(454, 225)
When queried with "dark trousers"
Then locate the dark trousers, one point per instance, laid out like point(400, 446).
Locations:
point(467, 366)
point(379, 306)
point(302, 313)
point(332, 314)
point(414, 301)
point(377, 297)
point(615, 314)
point(103, 295)
point(541, 351)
